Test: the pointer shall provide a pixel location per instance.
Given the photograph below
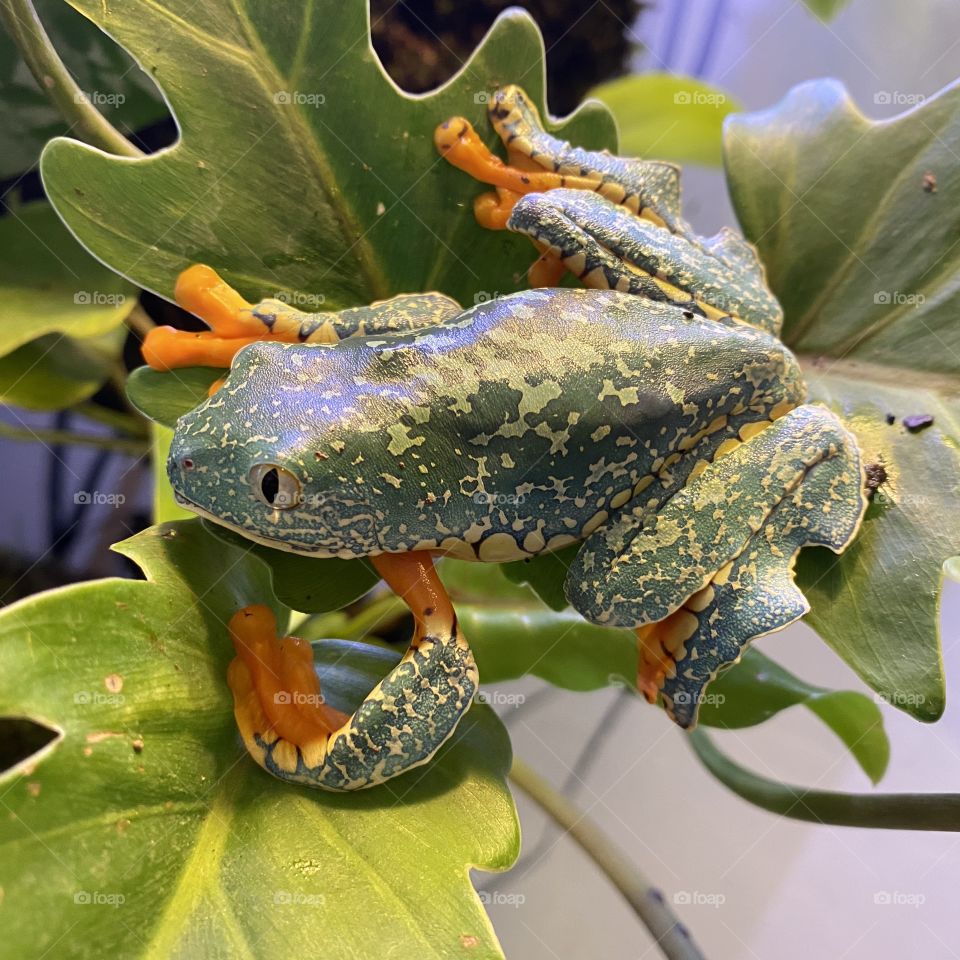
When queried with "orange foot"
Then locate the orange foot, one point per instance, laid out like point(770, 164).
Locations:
point(457, 141)
point(275, 688)
point(202, 291)
point(660, 646)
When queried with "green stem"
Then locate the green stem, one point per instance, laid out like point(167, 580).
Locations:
point(124, 422)
point(55, 80)
point(647, 901)
point(139, 321)
point(880, 811)
point(132, 447)
point(381, 612)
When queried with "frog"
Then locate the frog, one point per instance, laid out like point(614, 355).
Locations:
point(677, 452)
point(650, 423)
point(613, 222)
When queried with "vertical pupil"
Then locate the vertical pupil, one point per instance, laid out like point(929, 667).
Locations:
point(270, 485)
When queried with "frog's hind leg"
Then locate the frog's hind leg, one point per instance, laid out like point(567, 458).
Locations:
point(294, 735)
point(713, 567)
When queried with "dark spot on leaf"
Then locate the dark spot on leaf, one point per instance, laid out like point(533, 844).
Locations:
point(891, 419)
point(929, 182)
point(137, 745)
point(918, 421)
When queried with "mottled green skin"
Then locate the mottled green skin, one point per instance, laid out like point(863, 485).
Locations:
point(409, 311)
point(400, 725)
point(644, 186)
point(590, 233)
point(492, 436)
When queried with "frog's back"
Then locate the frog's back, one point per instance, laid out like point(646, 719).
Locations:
point(521, 425)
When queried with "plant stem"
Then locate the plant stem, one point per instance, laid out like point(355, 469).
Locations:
point(133, 448)
point(381, 612)
point(55, 80)
point(647, 901)
point(126, 423)
point(887, 811)
point(139, 321)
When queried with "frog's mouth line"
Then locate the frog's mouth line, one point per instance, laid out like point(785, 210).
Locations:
point(285, 545)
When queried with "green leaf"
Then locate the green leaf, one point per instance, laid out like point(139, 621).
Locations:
point(545, 574)
point(307, 584)
point(165, 397)
point(301, 166)
point(758, 688)
point(165, 506)
point(867, 278)
point(49, 283)
point(668, 116)
point(112, 81)
point(147, 832)
point(54, 371)
point(826, 9)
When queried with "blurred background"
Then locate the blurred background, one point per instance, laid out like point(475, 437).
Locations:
point(748, 884)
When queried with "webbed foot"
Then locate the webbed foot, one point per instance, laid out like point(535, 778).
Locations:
point(293, 734)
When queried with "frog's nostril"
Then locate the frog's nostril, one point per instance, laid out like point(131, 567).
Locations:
point(186, 463)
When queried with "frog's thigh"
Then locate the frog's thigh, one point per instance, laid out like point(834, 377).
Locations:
point(714, 568)
point(292, 734)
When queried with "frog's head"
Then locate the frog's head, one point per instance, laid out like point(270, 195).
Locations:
point(264, 455)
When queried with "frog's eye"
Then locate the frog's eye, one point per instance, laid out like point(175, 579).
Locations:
point(274, 486)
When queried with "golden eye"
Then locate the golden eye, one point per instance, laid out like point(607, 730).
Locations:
point(274, 486)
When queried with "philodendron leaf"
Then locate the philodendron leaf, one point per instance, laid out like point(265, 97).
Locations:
point(301, 166)
point(146, 831)
point(308, 584)
point(165, 397)
point(50, 284)
point(868, 280)
point(668, 116)
point(513, 634)
point(109, 79)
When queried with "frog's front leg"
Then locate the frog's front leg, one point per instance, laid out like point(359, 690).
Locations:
point(713, 568)
point(234, 322)
point(289, 730)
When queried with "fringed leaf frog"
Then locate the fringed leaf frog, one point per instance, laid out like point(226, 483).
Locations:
point(666, 433)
